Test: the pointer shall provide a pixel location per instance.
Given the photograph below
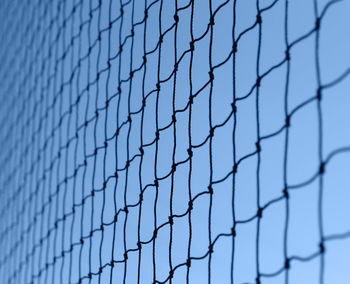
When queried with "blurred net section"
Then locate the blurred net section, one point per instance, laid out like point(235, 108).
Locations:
point(174, 141)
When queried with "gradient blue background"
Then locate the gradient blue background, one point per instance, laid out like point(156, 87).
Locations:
point(41, 68)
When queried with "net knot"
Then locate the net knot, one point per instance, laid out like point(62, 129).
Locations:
point(158, 86)
point(156, 183)
point(192, 46)
point(125, 255)
point(141, 196)
point(155, 232)
point(173, 168)
point(285, 193)
point(210, 188)
point(115, 218)
point(259, 214)
point(287, 121)
point(235, 168)
point(234, 107)
point(258, 81)
point(190, 153)
point(173, 117)
point(126, 210)
point(212, 21)
point(176, 18)
point(188, 262)
point(319, 93)
point(112, 263)
point(100, 270)
point(141, 150)
point(211, 132)
point(171, 221)
point(286, 264)
point(233, 231)
point(322, 247)
point(144, 59)
point(157, 135)
point(190, 100)
point(258, 147)
point(234, 47)
point(139, 245)
point(211, 75)
point(92, 193)
point(171, 274)
point(190, 205)
point(287, 54)
point(322, 168)
point(258, 18)
point(317, 24)
point(211, 249)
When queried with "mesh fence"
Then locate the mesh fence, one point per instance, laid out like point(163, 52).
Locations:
point(174, 141)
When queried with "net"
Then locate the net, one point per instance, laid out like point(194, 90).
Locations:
point(174, 141)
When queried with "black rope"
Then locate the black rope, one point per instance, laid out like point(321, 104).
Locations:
point(320, 143)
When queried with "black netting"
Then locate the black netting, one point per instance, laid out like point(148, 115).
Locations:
point(173, 141)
